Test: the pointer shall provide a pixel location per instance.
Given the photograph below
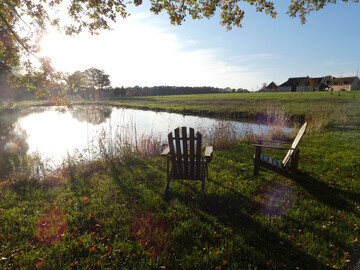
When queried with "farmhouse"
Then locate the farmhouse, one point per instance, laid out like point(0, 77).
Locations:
point(272, 87)
point(342, 84)
point(295, 85)
point(328, 83)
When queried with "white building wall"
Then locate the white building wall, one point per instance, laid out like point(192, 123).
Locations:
point(355, 85)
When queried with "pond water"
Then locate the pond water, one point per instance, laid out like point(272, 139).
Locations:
point(52, 132)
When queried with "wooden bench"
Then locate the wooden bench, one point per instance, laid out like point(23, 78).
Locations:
point(184, 154)
point(287, 167)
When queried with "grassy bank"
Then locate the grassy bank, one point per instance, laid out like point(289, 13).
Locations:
point(110, 213)
point(248, 106)
point(242, 106)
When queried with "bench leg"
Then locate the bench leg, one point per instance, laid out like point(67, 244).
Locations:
point(166, 188)
point(256, 169)
point(203, 187)
point(257, 161)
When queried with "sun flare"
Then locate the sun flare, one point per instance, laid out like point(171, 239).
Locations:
point(63, 50)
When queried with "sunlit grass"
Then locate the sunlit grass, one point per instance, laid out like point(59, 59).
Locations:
point(119, 219)
point(245, 105)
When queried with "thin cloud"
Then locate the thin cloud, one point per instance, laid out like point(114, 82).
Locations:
point(138, 52)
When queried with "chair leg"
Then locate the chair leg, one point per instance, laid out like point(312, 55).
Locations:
point(256, 169)
point(166, 187)
point(257, 160)
point(203, 187)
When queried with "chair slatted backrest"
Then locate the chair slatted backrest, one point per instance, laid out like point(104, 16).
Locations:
point(296, 141)
point(185, 153)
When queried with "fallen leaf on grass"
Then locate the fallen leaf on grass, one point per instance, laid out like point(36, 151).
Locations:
point(85, 200)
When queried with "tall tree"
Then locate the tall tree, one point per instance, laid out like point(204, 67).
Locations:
point(75, 82)
point(96, 80)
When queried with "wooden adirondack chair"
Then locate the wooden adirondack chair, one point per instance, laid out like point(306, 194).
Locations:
point(281, 167)
point(184, 153)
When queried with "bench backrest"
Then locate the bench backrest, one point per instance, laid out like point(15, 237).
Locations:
point(296, 141)
point(185, 153)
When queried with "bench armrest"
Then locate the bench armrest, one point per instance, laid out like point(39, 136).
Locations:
point(166, 151)
point(208, 153)
point(275, 147)
point(272, 141)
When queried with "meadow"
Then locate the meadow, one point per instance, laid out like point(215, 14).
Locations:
point(110, 213)
point(248, 106)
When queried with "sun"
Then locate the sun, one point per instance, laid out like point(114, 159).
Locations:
point(52, 44)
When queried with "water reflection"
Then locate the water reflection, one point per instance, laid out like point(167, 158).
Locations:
point(91, 114)
point(55, 131)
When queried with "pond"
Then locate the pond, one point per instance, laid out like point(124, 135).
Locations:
point(53, 132)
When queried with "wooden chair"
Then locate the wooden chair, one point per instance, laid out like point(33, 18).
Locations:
point(281, 167)
point(184, 153)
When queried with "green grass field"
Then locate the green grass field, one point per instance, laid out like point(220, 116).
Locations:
point(247, 105)
point(111, 214)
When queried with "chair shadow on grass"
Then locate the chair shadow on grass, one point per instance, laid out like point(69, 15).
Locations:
point(331, 196)
point(239, 213)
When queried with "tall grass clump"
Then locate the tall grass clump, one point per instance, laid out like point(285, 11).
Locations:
point(221, 135)
point(26, 170)
point(320, 118)
point(278, 121)
point(149, 146)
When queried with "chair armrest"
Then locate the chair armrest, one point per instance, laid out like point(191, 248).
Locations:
point(166, 151)
point(208, 153)
point(275, 147)
point(272, 141)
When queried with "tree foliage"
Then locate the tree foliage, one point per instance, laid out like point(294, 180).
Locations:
point(44, 82)
point(88, 83)
point(75, 82)
point(96, 79)
point(95, 14)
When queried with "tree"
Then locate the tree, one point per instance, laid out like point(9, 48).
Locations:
point(44, 82)
point(75, 82)
point(263, 87)
point(96, 80)
point(119, 91)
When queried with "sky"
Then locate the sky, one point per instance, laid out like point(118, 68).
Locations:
point(147, 50)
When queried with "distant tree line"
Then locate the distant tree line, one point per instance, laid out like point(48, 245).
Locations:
point(170, 90)
point(90, 84)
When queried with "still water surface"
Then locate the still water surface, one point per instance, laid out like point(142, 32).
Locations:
point(55, 131)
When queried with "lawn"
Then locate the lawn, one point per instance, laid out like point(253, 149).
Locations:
point(110, 213)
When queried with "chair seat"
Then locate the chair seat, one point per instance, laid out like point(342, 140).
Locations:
point(186, 175)
point(271, 161)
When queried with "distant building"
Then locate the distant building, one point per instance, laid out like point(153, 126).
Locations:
point(272, 87)
point(327, 83)
point(295, 85)
point(342, 84)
